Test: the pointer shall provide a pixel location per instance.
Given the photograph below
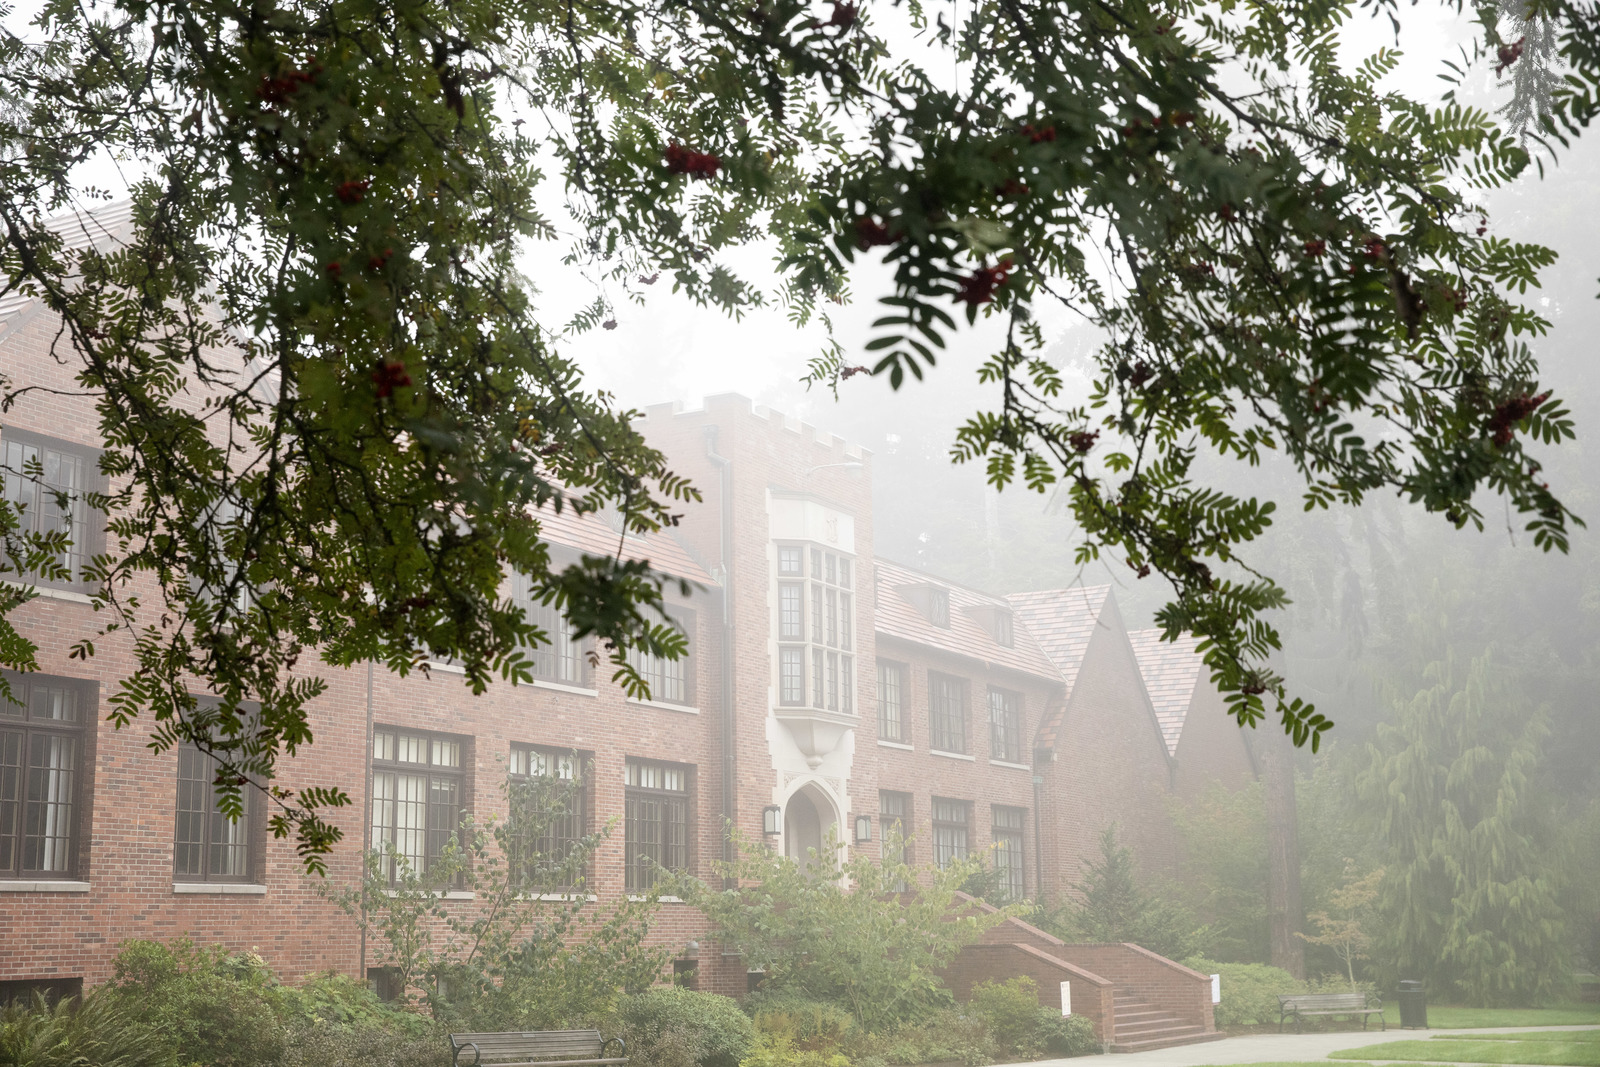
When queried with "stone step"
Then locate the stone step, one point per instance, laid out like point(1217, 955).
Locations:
point(1150, 1026)
point(1193, 1036)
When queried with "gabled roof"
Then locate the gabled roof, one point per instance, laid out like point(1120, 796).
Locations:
point(898, 617)
point(1171, 671)
point(593, 535)
point(103, 227)
point(1062, 621)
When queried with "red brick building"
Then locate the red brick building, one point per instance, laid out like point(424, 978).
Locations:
point(849, 692)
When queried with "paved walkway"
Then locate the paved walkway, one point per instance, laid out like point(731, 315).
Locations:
point(1281, 1048)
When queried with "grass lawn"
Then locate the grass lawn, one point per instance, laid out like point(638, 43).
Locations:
point(1559, 1049)
point(1451, 1017)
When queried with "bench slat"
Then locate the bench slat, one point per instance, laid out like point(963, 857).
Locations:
point(534, 1048)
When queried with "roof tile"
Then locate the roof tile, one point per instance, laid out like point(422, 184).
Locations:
point(1170, 669)
point(898, 617)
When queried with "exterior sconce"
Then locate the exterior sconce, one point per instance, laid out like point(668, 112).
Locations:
point(863, 829)
point(692, 949)
point(772, 820)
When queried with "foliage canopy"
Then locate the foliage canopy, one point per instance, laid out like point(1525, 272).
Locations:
point(332, 415)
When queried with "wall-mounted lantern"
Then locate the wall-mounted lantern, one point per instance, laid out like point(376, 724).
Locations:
point(863, 829)
point(772, 820)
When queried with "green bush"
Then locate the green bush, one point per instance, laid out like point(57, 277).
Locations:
point(337, 1000)
point(1066, 1035)
point(101, 1032)
point(1010, 1014)
point(776, 1051)
point(362, 1045)
point(214, 1007)
point(668, 1024)
point(808, 1024)
point(1249, 990)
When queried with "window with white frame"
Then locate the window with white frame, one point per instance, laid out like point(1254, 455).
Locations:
point(46, 481)
point(416, 797)
point(816, 629)
point(42, 764)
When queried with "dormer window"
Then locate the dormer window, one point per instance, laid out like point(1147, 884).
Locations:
point(939, 607)
point(997, 620)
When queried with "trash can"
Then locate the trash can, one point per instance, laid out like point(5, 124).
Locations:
point(1413, 1005)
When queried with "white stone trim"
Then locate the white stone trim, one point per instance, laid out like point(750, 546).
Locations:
point(683, 709)
point(901, 745)
point(561, 687)
point(952, 755)
point(1013, 766)
point(9, 886)
point(241, 889)
point(50, 593)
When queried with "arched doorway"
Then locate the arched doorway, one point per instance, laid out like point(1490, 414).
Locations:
point(802, 829)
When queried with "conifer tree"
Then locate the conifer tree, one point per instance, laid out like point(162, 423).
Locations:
point(1471, 892)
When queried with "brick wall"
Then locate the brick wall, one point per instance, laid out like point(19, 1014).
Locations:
point(1151, 978)
point(1212, 748)
point(1092, 996)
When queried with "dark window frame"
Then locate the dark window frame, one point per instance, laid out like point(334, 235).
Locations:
point(952, 838)
point(1005, 725)
point(562, 831)
point(889, 818)
point(437, 828)
point(949, 722)
point(1008, 827)
point(671, 681)
point(666, 809)
point(896, 728)
point(13, 479)
point(562, 659)
point(26, 802)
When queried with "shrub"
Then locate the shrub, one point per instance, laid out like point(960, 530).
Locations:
point(776, 1051)
point(1010, 1014)
point(214, 1007)
point(670, 1023)
point(1249, 990)
point(1066, 1035)
point(333, 999)
point(808, 1024)
point(103, 1032)
point(362, 1045)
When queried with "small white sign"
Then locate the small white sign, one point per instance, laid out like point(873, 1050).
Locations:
point(1216, 989)
point(1066, 998)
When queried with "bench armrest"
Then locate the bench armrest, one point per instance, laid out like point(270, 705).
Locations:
point(622, 1047)
point(477, 1055)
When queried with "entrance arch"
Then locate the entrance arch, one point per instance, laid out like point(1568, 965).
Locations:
point(808, 818)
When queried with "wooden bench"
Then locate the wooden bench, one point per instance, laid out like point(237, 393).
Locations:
point(1298, 1005)
point(539, 1048)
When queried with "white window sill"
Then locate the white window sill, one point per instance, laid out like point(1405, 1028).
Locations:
point(239, 889)
point(454, 894)
point(7, 886)
point(562, 687)
point(52, 594)
point(683, 709)
point(951, 755)
point(448, 668)
point(662, 900)
point(901, 745)
point(587, 897)
point(1013, 766)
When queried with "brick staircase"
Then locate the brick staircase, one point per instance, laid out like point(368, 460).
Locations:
point(1141, 1026)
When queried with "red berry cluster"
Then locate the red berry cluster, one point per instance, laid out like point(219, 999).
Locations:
point(1509, 54)
point(979, 286)
point(844, 16)
point(852, 371)
point(1510, 412)
point(1083, 440)
point(388, 377)
point(352, 192)
point(1012, 190)
point(278, 90)
point(1316, 247)
point(1040, 135)
point(379, 261)
point(681, 160)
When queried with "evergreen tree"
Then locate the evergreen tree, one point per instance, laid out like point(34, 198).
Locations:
point(1471, 893)
point(1112, 906)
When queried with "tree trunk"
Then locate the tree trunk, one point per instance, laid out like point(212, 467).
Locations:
point(1275, 755)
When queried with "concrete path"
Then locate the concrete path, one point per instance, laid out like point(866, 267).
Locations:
point(1280, 1048)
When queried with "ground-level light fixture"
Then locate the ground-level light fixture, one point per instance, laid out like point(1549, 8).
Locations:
point(863, 829)
point(772, 820)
